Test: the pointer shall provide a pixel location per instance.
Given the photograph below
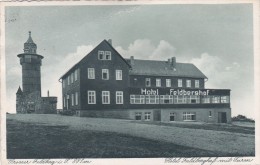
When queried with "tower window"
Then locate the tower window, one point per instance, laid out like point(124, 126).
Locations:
point(28, 58)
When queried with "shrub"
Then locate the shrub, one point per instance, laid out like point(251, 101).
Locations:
point(67, 113)
point(242, 118)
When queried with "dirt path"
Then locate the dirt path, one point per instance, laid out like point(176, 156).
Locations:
point(235, 143)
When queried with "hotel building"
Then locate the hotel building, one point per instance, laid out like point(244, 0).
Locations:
point(104, 84)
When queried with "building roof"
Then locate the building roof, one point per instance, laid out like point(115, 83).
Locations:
point(163, 68)
point(19, 91)
point(30, 38)
point(103, 42)
point(153, 68)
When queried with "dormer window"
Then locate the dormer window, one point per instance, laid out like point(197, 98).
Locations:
point(104, 55)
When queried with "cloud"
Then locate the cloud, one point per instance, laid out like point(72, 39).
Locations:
point(145, 49)
point(224, 75)
point(51, 73)
point(234, 65)
point(219, 73)
point(163, 50)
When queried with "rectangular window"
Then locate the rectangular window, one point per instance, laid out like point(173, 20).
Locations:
point(105, 74)
point(105, 97)
point(205, 99)
point(72, 77)
point(179, 82)
point(68, 79)
point(147, 82)
point(28, 58)
point(158, 82)
point(91, 97)
point(101, 55)
point(76, 74)
point(172, 116)
point(189, 116)
point(63, 83)
point(107, 55)
point(119, 97)
point(64, 101)
point(76, 98)
point(152, 99)
point(215, 99)
point(210, 115)
point(72, 99)
point(91, 73)
point(147, 116)
point(166, 99)
point(224, 99)
point(118, 74)
point(138, 115)
point(137, 99)
point(193, 99)
point(197, 83)
point(180, 99)
point(188, 83)
point(168, 83)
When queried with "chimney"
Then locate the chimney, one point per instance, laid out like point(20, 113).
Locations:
point(48, 93)
point(110, 41)
point(132, 62)
point(173, 62)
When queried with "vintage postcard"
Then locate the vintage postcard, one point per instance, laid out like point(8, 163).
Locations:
point(130, 82)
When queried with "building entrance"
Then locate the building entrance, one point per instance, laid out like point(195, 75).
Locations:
point(222, 117)
point(172, 115)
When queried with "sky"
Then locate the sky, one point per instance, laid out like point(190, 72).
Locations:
point(218, 39)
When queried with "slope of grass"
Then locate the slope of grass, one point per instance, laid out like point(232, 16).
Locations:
point(208, 126)
point(26, 140)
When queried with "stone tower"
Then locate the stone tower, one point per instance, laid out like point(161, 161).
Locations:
point(31, 67)
point(29, 98)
